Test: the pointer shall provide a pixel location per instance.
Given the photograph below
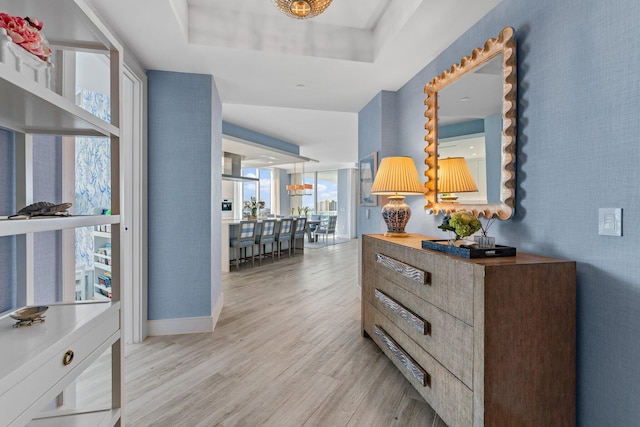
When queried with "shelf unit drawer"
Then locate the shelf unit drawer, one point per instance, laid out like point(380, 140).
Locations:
point(450, 285)
point(36, 388)
point(445, 393)
point(446, 338)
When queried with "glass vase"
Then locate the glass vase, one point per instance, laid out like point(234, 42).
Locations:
point(485, 242)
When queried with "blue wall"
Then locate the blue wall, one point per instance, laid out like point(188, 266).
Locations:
point(47, 182)
point(260, 138)
point(578, 127)
point(377, 132)
point(464, 128)
point(7, 207)
point(184, 115)
point(47, 179)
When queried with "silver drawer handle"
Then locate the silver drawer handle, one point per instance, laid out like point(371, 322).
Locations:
point(408, 271)
point(420, 374)
point(405, 314)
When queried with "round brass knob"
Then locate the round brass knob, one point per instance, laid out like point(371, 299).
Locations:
point(67, 358)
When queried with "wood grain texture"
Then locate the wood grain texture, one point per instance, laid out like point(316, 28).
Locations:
point(515, 362)
point(403, 357)
point(529, 358)
point(450, 340)
point(447, 395)
point(286, 351)
point(451, 286)
point(409, 271)
point(405, 314)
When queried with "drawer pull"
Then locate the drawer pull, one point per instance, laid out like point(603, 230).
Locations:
point(408, 271)
point(420, 374)
point(416, 322)
point(67, 358)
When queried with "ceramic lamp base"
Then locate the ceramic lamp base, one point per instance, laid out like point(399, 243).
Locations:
point(396, 214)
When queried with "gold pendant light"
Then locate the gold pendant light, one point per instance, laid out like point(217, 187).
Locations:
point(302, 9)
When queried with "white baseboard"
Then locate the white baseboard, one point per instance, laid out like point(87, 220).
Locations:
point(187, 325)
point(217, 309)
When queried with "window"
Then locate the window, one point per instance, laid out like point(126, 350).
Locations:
point(265, 189)
point(327, 193)
point(249, 188)
point(309, 200)
point(261, 190)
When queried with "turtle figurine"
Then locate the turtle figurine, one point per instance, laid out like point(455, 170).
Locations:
point(42, 209)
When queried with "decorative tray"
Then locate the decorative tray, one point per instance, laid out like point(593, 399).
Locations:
point(468, 251)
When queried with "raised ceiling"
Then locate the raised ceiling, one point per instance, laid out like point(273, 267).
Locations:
point(302, 81)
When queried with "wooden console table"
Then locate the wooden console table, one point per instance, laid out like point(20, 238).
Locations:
point(485, 342)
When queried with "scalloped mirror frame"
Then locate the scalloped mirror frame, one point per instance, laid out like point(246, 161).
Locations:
point(505, 44)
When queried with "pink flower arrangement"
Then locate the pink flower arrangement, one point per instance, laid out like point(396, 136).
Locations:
point(25, 32)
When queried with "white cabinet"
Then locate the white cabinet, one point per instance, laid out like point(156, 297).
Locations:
point(35, 371)
point(32, 377)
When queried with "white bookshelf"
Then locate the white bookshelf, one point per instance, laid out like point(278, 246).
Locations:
point(32, 374)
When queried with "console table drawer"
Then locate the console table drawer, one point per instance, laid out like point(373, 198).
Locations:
point(446, 338)
point(449, 283)
point(445, 393)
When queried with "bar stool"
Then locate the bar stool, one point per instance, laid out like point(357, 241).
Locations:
point(246, 237)
point(300, 231)
point(267, 235)
point(284, 235)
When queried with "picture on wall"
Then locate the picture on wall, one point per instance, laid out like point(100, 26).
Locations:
point(368, 169)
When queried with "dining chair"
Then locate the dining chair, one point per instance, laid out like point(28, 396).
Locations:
point(246, 237)
point(300, 230)
point(284, 235)
point(312, 228)
point(267, 235)
point(328, 227)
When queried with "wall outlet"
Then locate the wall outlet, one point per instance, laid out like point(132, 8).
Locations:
point(610, 221)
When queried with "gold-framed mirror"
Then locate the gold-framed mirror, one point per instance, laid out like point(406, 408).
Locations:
point(471, 115)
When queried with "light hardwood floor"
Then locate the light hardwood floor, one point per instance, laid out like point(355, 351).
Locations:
point(286, 351)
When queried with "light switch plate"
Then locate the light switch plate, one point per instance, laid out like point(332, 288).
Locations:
point(610, 222)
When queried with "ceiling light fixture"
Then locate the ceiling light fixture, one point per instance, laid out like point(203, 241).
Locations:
point(302, 9)
point(297, 186)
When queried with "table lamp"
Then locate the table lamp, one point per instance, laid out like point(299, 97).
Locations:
point(397, 177)
point(454, 176)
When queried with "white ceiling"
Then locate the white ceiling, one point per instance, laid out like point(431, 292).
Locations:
point(260, 58)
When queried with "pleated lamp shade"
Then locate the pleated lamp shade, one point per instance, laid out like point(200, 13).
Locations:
point(454, 176)
point(397, 176)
